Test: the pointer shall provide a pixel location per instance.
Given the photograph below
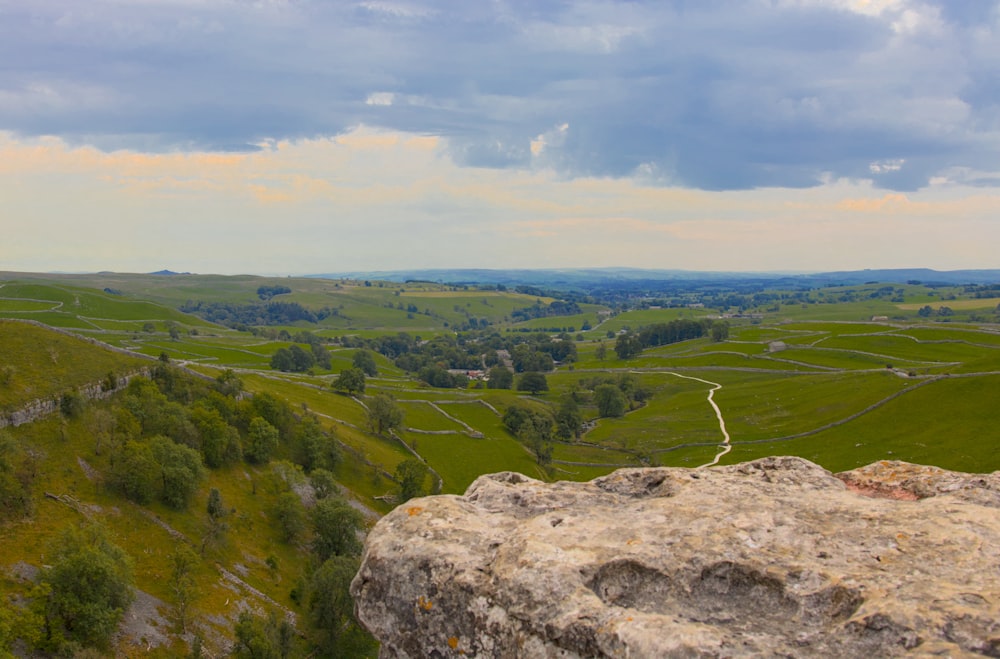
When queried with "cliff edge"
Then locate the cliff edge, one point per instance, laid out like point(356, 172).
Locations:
point(772, 557)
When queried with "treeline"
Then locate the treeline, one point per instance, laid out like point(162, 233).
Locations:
point(239, 316)
point(295, 359)
point(539, 310)
point(267, 292)
point(631, 344)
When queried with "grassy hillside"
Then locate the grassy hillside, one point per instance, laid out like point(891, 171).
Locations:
point(803, 373)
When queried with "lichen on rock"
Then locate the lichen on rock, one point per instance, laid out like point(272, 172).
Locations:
point(771, 557)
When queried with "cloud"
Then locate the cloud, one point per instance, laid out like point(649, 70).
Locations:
point(720, 95)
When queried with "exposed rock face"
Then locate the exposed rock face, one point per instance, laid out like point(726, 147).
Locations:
point(776, 557)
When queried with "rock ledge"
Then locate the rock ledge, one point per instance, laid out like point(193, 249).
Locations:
point(772, 557)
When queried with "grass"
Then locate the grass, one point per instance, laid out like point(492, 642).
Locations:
point(943, 423)
point(39, 363)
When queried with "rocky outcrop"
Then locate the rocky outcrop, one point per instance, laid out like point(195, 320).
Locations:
point(776, 557)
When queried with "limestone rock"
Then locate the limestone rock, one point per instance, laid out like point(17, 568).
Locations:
point(776, 557)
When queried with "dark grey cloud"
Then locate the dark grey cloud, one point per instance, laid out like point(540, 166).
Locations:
point(713, 94)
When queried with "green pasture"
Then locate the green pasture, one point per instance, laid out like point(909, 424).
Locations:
point(424, 416)
point(788, 405)
point(39, 363)
point(460, 459)
point(891, 347)
point(947, 423)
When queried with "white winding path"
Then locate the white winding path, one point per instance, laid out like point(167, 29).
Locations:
point(726, 446)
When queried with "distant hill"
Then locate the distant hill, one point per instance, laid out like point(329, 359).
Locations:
point(590, 278)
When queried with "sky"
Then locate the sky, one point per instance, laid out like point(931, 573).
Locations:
point(318, 136)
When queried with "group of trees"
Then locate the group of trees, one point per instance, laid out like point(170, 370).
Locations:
point(263, 313)
point(267, 292)
point(631, 344)
point(541, 310)
point(162, 434)
point(296, 359)
point(926, 311)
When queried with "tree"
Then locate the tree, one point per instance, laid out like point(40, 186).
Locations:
point(500, 377)
point(220, 442)
point(136, 473)
point(215, 507)
point(313, 447)
point(181, 471)
point(627, 345)
point(289, 515)
point(331, 611)
point(720, 331)
point(533, 382)
point(601, 351)
point(350, 381)
point(323, 483)
point(90, 584)
point(610, 400)
point(568, 418)
point(365, 360)
point(335, 528)
point(282, 360)
point(183, 585)
point(384, 414)
point(262, 440)
point(71, 404)
point(411, 474)
point(263, 637)
point(925, 311)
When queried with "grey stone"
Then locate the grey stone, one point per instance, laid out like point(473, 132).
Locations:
point(776, 557)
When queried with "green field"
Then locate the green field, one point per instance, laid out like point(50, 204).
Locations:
point(841, 390)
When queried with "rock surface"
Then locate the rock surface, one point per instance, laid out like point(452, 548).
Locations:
point(776, 557)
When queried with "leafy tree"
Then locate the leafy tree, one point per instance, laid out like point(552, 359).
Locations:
point(601, 352)
point(335, 633)
point(136, 473)
point(262, 440)
point(720, 331)
point(925, 311)
point(289, 516)
point(313, 447)
point(568, 419)
point(533, 382)
point(335, 528)
point(500, 377)
point(220, 442)
point(610, 400)
point(384, 414)
point(627, 345)
point(228, 383)
point(323, 483)
point(282, 360)
point(263, 637)
point(321, 355)
point(90, 584)
point(411, 474)
point(183, 585)
point(303, 360)
point(365, 360)
point(350, 381)
point(181, 471)
point(71, 404)
point(215, 508)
